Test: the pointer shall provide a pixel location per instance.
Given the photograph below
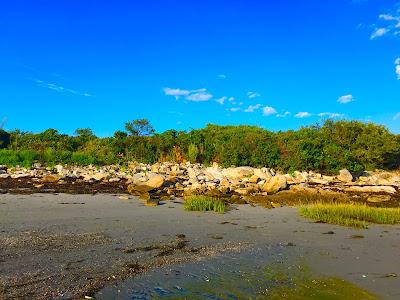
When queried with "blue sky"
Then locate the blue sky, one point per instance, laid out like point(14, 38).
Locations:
point(183, 64)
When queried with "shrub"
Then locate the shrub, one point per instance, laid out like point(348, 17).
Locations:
point(82, 159)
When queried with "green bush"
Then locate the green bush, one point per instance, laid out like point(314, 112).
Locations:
point(82, 159)
point(325, 148)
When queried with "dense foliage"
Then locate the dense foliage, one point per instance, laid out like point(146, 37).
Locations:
point(326, 148)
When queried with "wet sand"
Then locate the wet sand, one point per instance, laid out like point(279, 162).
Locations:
point(67, 246)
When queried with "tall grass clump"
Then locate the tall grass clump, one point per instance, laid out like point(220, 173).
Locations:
point(353, 215)
point(204, 203)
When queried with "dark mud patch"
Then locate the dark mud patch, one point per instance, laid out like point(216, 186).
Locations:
point(30, 185)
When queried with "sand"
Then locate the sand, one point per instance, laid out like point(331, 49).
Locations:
point(66, 246)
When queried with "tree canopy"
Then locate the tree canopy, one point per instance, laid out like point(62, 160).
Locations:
point(327, 147)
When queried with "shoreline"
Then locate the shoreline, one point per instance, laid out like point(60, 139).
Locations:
point(66, 246)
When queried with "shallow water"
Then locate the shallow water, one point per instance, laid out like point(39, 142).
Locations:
point(263, 273)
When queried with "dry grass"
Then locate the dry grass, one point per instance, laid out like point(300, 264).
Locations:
point(353, 215)
point(204, 203)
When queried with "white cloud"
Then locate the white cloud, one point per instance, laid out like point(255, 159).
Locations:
point(191, 95)
point(234, 109)
point(59, 88)
point(231, 99)
point(253, 95)
point(303, 114)
point(285, 114)
point(253, 108)
point(389, 23)
point(176, 92)
point(396, 116)
point(221, 100)
point(268, 110)
point(222, 76)
point(199, 96)
point(378, 32)
point(331, 115)
point(345, 99)
point(397, 67)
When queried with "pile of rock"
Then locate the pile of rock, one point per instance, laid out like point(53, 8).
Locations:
point(172, 179)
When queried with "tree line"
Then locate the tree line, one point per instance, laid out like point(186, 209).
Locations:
point(326, 147)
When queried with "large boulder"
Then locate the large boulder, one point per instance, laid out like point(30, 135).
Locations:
point(239, 172)
point(155, 182)
point(275, 184)
point(262, 173)
point(213, 173)
point(345, 176)
point(142, 190)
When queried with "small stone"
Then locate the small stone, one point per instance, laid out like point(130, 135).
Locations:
point(52, 178)
point(357, 236)
point(152, 202)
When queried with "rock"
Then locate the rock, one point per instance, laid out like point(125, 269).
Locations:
point(52, 178)
point(276, 205)
point(275, 184)
point(152, 202)
point(59, 169)
point(254, 179)
point(4, 176)
point(300, 177)
point(242, 191)
point(155, 182)
point(238, 173)
point(379, 198)
point(20, 175)
point(371, 189)
point(319, 181)
point(224, 182)
point(142, 190)
point(95, 176)
point(345, 176)
point(114, 179)
point(213, 173)
point(261, 174)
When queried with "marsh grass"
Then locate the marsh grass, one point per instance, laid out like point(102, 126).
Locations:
point(204, 203)
point(352, 215)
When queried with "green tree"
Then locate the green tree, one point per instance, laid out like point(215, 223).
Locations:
point(5, 139)
point(193, 153)
point(84, 133)
point(139, 127)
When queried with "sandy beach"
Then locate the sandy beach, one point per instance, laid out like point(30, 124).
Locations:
point(67, 246)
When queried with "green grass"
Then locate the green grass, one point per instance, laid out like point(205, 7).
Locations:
point(204, 203)
point(352, 215)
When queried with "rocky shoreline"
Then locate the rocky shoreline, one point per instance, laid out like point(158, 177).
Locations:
point(165, 181)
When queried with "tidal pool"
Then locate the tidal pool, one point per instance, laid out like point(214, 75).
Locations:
point(255, 274)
